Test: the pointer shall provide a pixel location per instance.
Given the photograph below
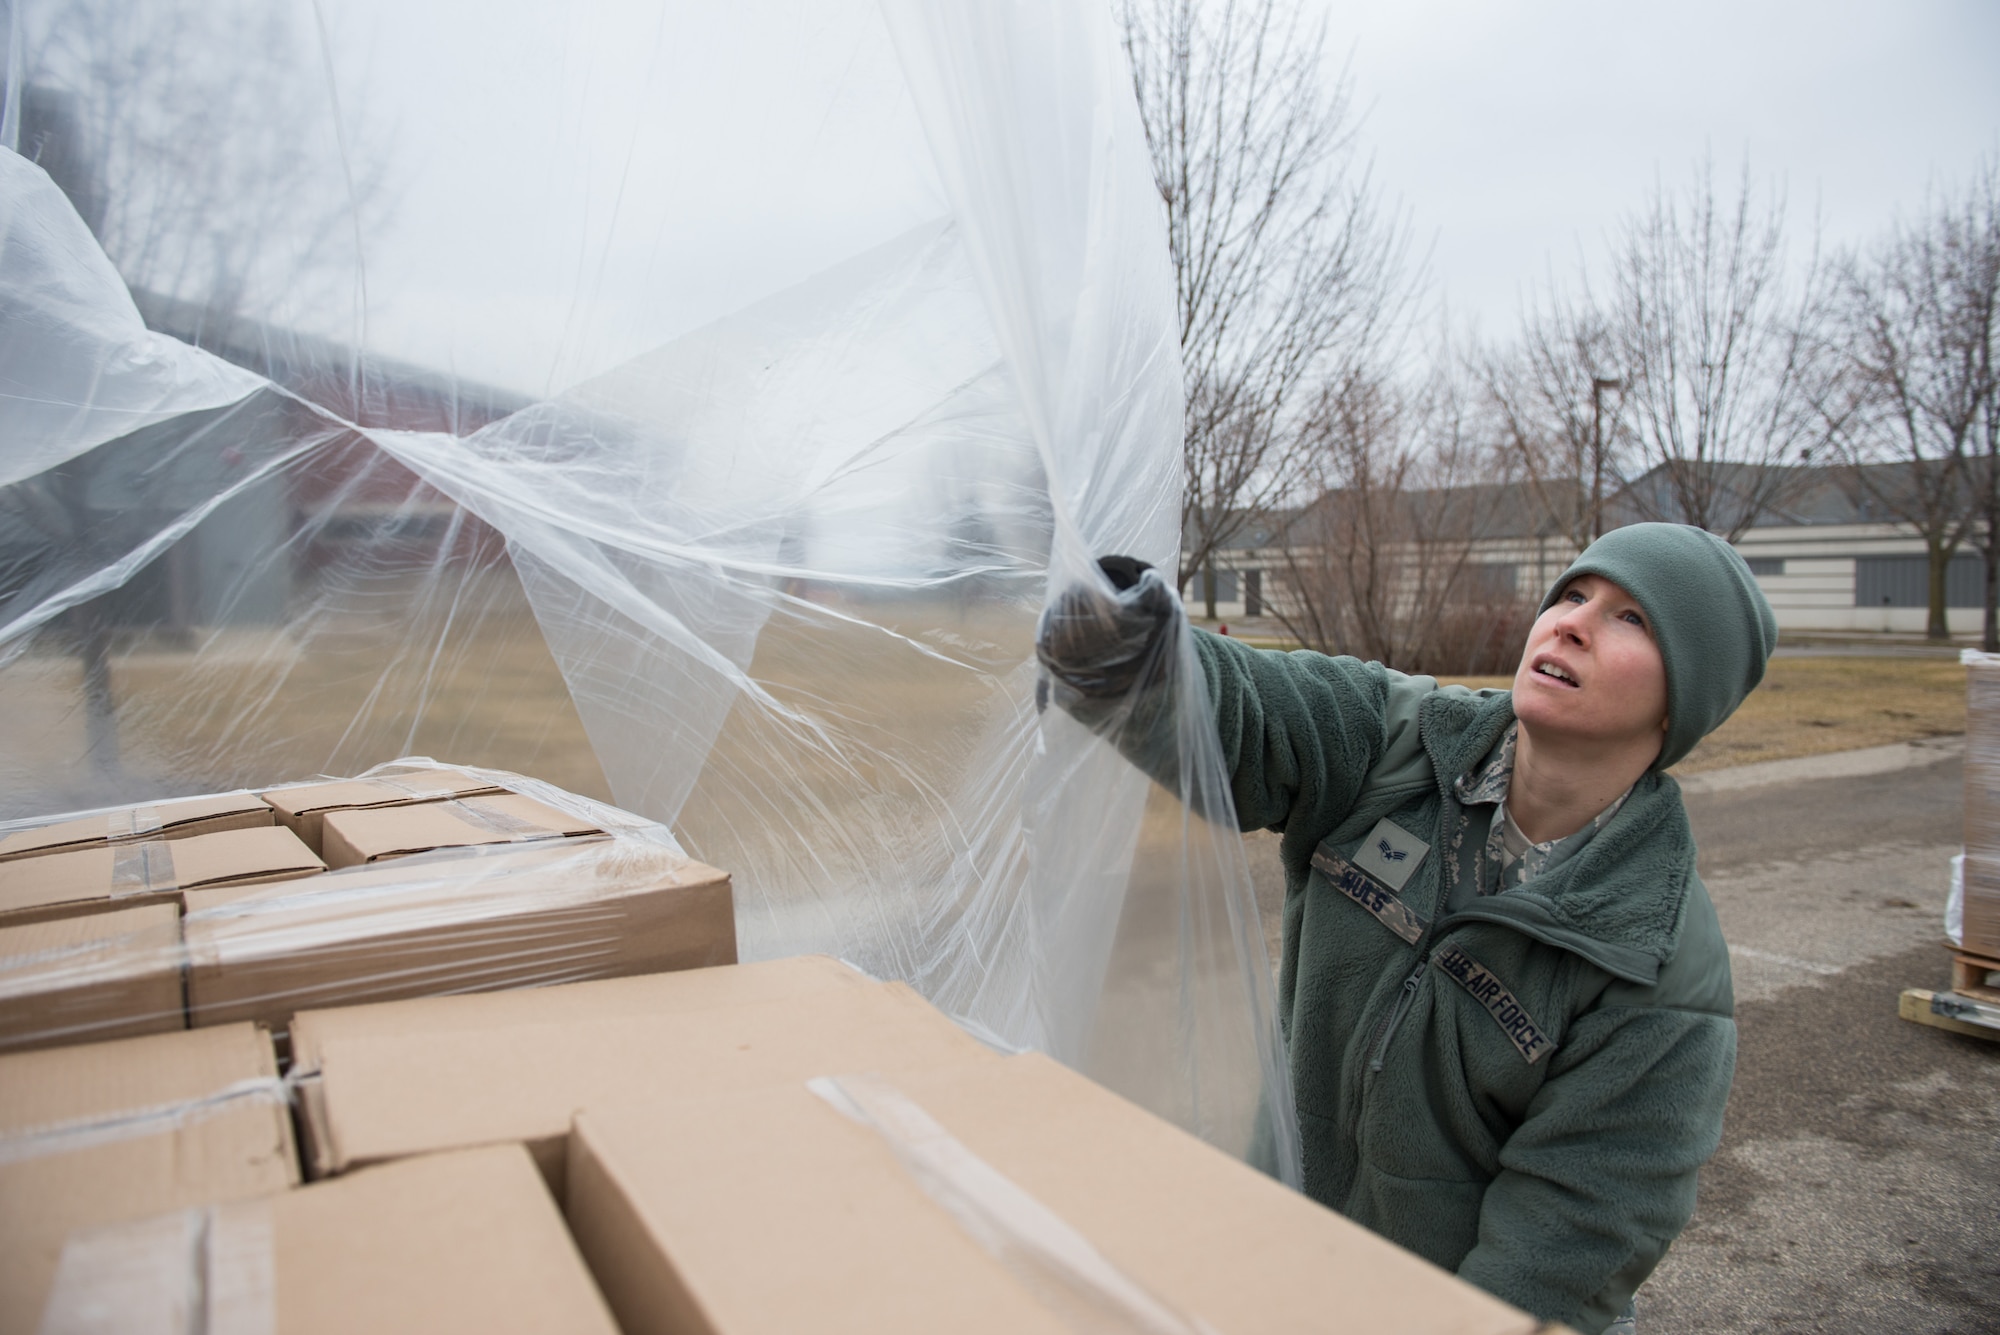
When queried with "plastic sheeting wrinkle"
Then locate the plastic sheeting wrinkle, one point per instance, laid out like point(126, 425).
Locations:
point(784, 477)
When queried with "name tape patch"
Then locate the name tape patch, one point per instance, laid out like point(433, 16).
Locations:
point(1490, 992)
point(1378, 899)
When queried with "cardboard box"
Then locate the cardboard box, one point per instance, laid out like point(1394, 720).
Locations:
point(436, 1019)
point(96, 880)
point(301, 808)
point(122, 1130)
point(770, 1211)
point(482, 919)
point(178, 818)
point(91, 978)
point(447, 1242)
point(369, 834)
point(383, 1092)
point(636, 997)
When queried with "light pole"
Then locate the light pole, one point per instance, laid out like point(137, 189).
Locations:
point(1598, 384)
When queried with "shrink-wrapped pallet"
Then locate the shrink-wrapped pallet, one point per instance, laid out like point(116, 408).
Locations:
point(1982, 804)
point(525, 887)
point(695, 404)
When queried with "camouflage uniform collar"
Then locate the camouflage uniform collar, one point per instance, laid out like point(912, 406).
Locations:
point(1616, 900)
point(1489, 784)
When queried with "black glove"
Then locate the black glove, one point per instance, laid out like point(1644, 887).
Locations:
point(1106, 648)
point(1122, 571)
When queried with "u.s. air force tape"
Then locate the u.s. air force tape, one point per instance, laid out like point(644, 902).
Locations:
point(1488, 991)
point(1388, 907)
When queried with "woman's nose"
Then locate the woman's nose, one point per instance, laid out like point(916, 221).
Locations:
point(1571, 624)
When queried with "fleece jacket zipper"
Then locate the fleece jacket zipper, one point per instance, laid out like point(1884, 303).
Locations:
point(1401, 1008)
point(1379, 1049)
point(1408, 992)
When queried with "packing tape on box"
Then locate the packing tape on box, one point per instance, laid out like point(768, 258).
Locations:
point(139, 869)
point(204, 1271)
point(1051, 1259)
point(120, 822)
point(416, 787)
point(88, 1132)
point(406, 775)
point(495, 820)
point(132, 822)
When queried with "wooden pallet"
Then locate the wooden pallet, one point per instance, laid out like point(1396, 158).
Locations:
point(1968, 975)
point(1951, 1012)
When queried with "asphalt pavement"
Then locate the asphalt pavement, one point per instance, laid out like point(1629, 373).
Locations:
point(1858, 1184)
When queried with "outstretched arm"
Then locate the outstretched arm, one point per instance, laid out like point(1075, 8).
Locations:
point(1299, 731)
point(1296, 729)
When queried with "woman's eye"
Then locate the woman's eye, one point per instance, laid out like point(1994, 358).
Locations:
point(1636, 620)
point(1574, 597)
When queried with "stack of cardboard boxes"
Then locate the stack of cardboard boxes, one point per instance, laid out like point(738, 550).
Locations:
point(678, 1144)
point(770, 1147)
point(411, 881)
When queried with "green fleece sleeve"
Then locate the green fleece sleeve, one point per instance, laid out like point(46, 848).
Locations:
point(1300, 731)
point(1600, 1177)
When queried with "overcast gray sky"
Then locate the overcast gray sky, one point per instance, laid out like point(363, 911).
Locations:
point(564, 187)
point(1515, 133)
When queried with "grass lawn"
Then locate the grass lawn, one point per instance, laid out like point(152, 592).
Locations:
point(896, 728)
point(1809, 706)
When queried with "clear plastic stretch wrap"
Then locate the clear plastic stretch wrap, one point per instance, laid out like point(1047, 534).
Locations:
point(691, 405)
point(417, 880)
point(1979, 924)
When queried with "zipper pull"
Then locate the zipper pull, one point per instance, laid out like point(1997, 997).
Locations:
point(1396, 1015)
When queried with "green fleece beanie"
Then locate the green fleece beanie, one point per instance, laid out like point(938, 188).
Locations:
point(1714, 629)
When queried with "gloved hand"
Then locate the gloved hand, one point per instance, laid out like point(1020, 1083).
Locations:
point(1106, 648)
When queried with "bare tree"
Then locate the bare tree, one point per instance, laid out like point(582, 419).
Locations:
point(1968, 229)
point(1915, 341)
point(1381, 564)
point(197, 137)
point(1724, 350)
point(180, 131)
point(1288, 275)
point(1557, 399)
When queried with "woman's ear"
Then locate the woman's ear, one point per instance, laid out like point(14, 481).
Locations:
point(1665, 723)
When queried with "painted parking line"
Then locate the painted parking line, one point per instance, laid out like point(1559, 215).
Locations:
point(1786, 961)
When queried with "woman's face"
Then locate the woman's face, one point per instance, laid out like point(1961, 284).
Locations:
point(1592, 670)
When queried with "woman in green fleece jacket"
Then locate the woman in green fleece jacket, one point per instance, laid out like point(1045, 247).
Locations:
point(1505, 995)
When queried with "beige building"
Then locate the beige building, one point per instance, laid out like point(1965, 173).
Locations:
point(1830, 558)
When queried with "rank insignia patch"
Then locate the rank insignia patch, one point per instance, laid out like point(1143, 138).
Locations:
point(1390, 854)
